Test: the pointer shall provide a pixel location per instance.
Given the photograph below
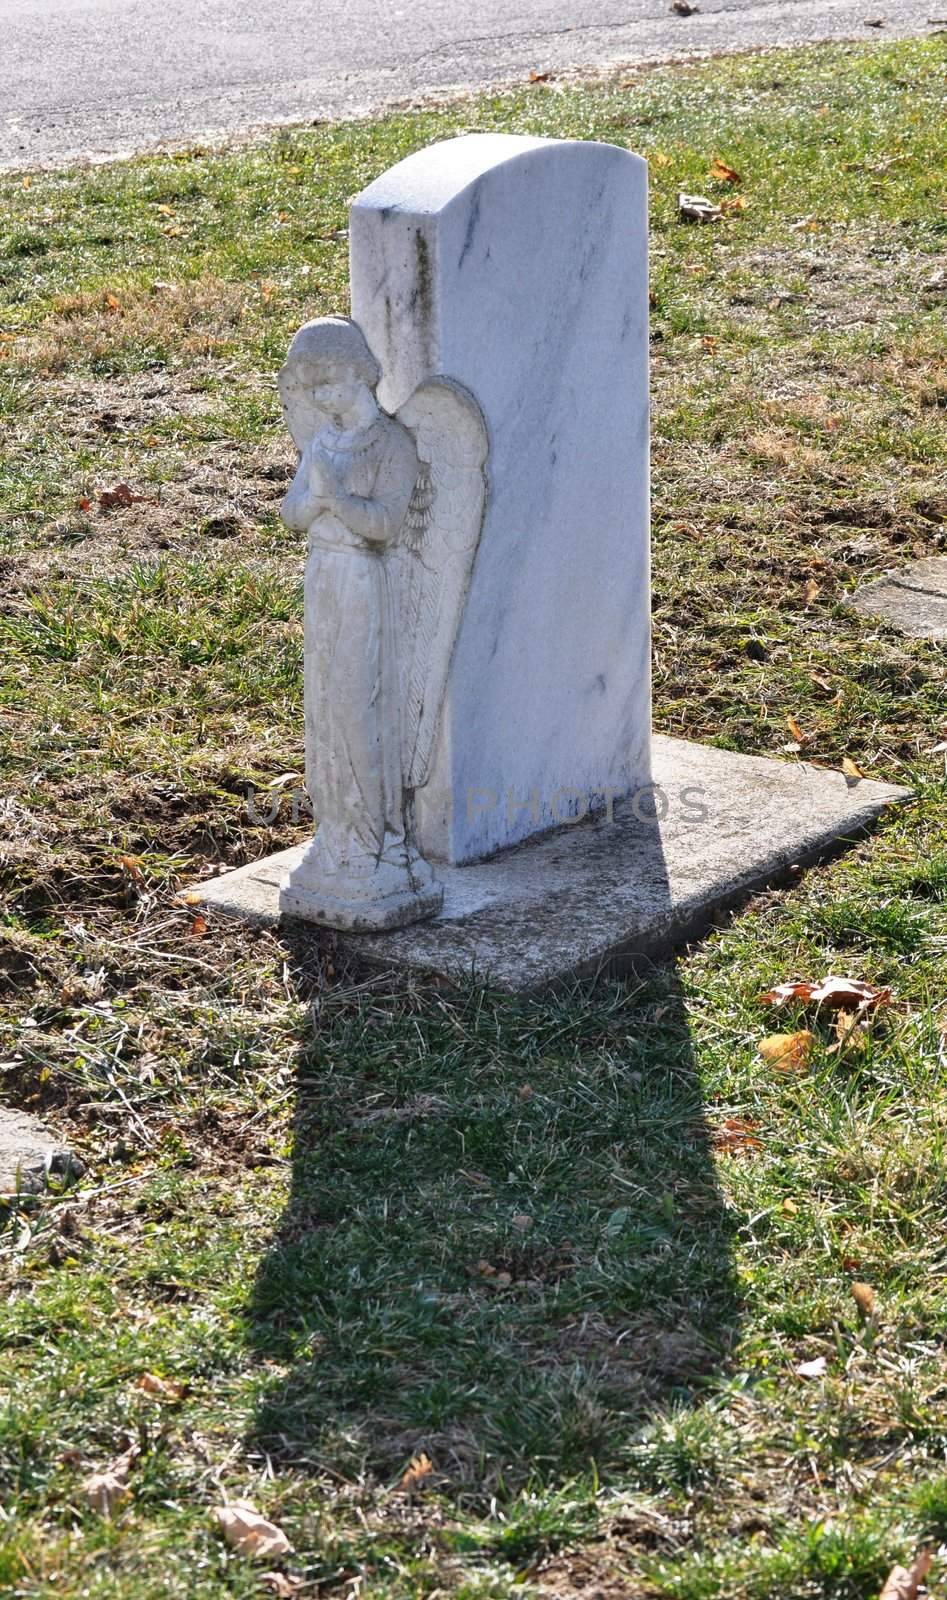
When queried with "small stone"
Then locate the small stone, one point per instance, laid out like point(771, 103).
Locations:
point(30, 1154)
point(912, 599)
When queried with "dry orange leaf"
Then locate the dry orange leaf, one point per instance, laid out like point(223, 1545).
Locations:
point(249, 1533)
point(122, 494)
point(795, 730)
point(111, 302)
point(850, 769)
point(737, 1135)
point(864, 1297)
point(105, 1491)
point(282, 1584)
point(160, 1388)
point(419, 1468)
point(838, 994)
point(788, 1052)
point(540, 77)
point(904, 1583)
point(659, 159)
point(198, 927)
point(851, 1034)
point(811, 591)
point(723, 173)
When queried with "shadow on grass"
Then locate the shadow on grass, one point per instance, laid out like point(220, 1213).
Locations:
point(504, 1244)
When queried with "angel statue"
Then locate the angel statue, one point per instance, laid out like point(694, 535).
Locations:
point(392, 506)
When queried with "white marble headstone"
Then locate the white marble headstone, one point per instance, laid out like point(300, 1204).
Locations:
point(518, 267)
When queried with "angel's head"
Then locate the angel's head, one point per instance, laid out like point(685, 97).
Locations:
point(329, 372)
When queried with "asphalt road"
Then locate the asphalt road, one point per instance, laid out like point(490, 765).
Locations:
point(105, 77)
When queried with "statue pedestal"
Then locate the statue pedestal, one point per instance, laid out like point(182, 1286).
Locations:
point(712, 828)
point(387, 898)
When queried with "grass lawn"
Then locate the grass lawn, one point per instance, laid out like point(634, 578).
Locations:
point(571, 1250)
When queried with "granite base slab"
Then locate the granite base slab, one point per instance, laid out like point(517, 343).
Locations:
point(912, 599)
point(602, 893)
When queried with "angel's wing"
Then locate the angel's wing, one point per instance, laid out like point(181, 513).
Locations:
point(439, 543)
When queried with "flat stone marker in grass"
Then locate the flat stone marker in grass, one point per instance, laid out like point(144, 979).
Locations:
point(473, 482)
point(912, 598)
point(29, 1154)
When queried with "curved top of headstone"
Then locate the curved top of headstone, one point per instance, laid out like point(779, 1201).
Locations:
point(431, 179)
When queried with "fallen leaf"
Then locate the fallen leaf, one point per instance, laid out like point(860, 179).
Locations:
point(723, 173)
point(845, 994)
point(864, 1297)
point(811, 591)
point(788, 1052)
point(684, 8)
point(734, 202)
point(85, 504)
point(198, 927)
point(122, 494)
point(160, 1388)
point(697, 208)
point(789, 1208)
point(249, 1533)
point(525, 1092)
point(111, 302)
point(132, 866)
point(904, 1583)
point(540, 77)
point(851, 769)
point(521, 1222)
point(657, 158)
point(486, 1269)
point(812, 1369)
point(736, 1134)
point(796, 731)
point(105, 1491)
point(709, 342)
point(419, 1468)
point(851, 1034)
point(282, 1584)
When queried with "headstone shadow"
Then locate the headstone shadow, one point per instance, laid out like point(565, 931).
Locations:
point(504, 1244)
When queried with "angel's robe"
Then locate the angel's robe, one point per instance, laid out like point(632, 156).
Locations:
point(353, 683)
